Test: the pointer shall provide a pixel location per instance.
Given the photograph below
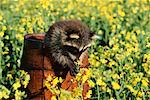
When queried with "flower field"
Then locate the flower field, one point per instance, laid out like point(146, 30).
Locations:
point(119, 60)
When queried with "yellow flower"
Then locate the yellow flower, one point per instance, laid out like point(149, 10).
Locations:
point(9, 76)
point(88, 94)
point(4, 28)
point(100, 32)
point(134, 38)
point(21, 29)
point(143, 32)
point(88, 72)
point(140, 94)
point(145, 82)
point(45, 4)
point(18, 95)
point(115, 85)
point(138, 32)
point(16, 85)
point(131, 89)
point(1, 17)
point(4, 95)
point(1, 34)
point(121, 13)
point(111, 63)
point(108, 90)
point(115, 76)
point(103, 61)
point(84, 78)
point(128, 36)
point(134, 10)
point(53, 98)
point(91, 83)
point(26, 81)
point(49, 78)
point(77, 92)
point(55, 81)
point(135, 92)
point(20, 36)
point(47, 84)
point(78, 76)
point(134, 83)
point(138, 98)
point(100, 82)
point(115, 47)
point(111, 98)
point(60, 80)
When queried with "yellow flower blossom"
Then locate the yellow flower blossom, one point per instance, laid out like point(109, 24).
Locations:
point(131, 89)
point(121, 13)
point(4, 28)
point(116, 76)
point(88, 94)
point(53, 98)
point(140, 94)
point(21, 29)
point(18, 95)
point(128, 36)
point(111, 98)
point(20, 36)
point(16, 85)
point(1, 34)
point(47, 84)
point(100, 82)
point(78, 76)
point(143, 32)
point(26, 81)
point(100, 32)
point(60, 80)
point(103, 61)
point(55, 81)
point(9, 76)
point(115, 85)
point(84, 78)
point(91, 83)
point(138, 98)
point(134, 38)
point(77, 92)
point(88, 72)
point(1, 17)
point(145, 82)
point(4, 92)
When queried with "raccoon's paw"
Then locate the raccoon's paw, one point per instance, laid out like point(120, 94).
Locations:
point(74, 71)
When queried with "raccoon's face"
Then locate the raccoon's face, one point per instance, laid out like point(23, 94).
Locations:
point(76, 43)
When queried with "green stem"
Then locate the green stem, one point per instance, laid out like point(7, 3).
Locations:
point(98, 92)
point(0, 60)
point(118, 98)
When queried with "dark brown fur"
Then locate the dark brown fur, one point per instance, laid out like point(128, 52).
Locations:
point(62, 47)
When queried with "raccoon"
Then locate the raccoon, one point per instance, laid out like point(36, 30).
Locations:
point(66, 40)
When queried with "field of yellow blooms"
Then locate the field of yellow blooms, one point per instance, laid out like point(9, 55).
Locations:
point(119, 61)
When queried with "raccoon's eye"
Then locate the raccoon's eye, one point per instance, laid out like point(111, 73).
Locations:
point(71, 49)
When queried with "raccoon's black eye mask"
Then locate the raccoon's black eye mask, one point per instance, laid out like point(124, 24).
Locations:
point(71, 49)
point(74, 50)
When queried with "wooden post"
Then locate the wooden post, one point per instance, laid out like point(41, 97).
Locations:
point(39, 66)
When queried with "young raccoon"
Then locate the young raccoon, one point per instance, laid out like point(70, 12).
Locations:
point(66, 40)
